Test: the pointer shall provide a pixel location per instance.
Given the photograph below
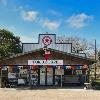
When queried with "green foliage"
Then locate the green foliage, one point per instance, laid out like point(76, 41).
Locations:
point(9, 44)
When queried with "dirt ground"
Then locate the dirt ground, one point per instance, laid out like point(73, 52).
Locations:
point(49, 94)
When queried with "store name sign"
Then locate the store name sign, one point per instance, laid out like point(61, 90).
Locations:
point(45, 62)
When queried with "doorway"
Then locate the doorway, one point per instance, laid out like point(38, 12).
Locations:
point(43, 75)
point(49, 76)
point(46, 75)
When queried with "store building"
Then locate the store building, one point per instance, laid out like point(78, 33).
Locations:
point(46, 63)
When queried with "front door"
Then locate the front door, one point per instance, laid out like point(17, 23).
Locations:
point(42, 75)
point(49, 76)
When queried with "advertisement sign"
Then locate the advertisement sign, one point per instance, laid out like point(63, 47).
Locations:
point(59, 71)
point(46, 40)
point(45, 62)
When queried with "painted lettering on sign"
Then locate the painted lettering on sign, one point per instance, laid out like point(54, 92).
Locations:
point(45, 62)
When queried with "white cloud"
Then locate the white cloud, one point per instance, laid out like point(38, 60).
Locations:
point(10, 28)
point(29, 15)
point(79, 20)
point(27, 38)
point(32, 16)
point(51, 25)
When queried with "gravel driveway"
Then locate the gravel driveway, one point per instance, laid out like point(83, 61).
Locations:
point(49, 94)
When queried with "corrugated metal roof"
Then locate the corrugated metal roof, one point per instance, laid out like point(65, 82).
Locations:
point(68, 54)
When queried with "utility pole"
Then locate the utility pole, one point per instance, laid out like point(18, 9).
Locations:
point(30, 85)
point(95, 59)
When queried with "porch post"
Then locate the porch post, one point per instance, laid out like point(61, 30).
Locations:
point(30, 77)
point(61, 81)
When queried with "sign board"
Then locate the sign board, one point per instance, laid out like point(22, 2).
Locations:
point(21, 81)
point(46, 40)
point(45, 62)
point(59, 71)
point(78, 72)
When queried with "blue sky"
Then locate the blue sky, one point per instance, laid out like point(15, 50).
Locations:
point(28, 18)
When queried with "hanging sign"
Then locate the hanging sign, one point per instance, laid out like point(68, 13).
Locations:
point(47, 54)
point(85, 66)
point(45, 62)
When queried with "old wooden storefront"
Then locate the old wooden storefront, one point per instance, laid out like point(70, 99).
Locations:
point(46, 63)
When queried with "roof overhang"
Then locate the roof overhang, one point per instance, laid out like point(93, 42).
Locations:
point(64, 53)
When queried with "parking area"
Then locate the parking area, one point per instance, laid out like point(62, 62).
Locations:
point(48, 94)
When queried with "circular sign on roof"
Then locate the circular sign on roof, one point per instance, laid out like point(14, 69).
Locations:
point(46, 40)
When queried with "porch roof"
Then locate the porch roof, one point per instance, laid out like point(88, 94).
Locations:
point(64, 53)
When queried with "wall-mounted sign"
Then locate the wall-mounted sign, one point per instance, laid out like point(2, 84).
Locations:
point(46, 40)
point(59, 71)
point(45, 62)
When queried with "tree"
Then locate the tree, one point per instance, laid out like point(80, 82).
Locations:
point(9, 44)
point(79, 45)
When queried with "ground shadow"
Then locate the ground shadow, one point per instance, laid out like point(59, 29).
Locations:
point(48, 87)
